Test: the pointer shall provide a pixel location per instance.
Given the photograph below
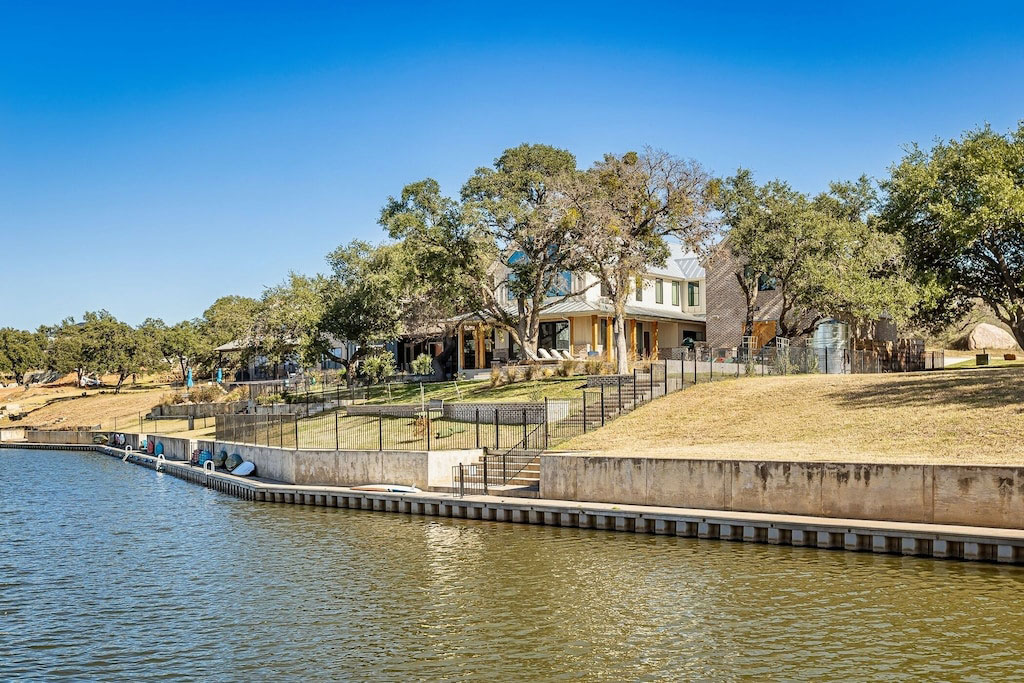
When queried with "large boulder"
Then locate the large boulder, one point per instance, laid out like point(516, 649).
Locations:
point(987, 336)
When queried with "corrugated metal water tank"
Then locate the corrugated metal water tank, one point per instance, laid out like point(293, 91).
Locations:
point(831, 342)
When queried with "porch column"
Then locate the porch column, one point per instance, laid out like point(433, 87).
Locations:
point(458, 350)
point(632, 335)
point(593, 332)
point(654, 341)
point(478, 333)
point(611, 341)
point(572, 333)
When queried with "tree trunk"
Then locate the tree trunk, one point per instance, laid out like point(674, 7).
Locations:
point(120, 381)
point(621, 348)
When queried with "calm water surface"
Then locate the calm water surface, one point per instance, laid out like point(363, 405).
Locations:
point(111, 571)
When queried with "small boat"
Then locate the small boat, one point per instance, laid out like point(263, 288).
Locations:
point(245, 469)
point(387, 488)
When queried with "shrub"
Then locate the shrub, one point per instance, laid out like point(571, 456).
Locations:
point(567, 368)
point(379, 366)
point(423, 365)
point(592, 366)
point(495, 376)
point(269, 399)
point(204, 393)
point(548, 372)
point(512, 373)
point(532, 371)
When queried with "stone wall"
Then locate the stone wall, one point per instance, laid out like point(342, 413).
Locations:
point(423, 469)
point(942, 494)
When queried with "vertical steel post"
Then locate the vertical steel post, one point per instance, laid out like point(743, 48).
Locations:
point(545, 418)
point(602, 404)
point(478, 427)
point(620, 393)
point(337, 440)
point(524, 428)
point(665, 363)
point(497, 429)
point(584, 411)
point(380, 430)
point(485, 474)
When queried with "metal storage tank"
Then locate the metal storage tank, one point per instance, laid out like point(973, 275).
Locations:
point(831, 343)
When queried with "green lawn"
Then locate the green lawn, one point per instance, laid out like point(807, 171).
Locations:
point(995, 360)
point(480, 391)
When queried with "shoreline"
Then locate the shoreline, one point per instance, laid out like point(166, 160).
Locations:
point(940, 541)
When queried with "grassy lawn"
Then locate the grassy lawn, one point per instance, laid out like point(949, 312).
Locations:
point(83, 408)
point(995, 360)
point(965, 416)
point(481, 391)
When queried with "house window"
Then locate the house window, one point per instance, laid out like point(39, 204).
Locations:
point(766, 283)
point(639, 289)
point(675, 293)
point(554, 335)
point(659, 291)
point(692, 293)
point(562, 284)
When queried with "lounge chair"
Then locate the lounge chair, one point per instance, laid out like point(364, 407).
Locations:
point(544, 355)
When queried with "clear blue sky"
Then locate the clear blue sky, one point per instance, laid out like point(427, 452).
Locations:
point(155, 156)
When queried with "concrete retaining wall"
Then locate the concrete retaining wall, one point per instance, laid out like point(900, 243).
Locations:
point(424, 469)
point(508, 413)
point(199, 409)
point(942, 494)
point(57, 436)
point(12, 434)
point(175, 448)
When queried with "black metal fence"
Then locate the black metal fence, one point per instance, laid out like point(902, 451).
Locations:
point(512, 437)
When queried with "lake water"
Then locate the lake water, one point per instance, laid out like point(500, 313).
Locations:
point(112, 571)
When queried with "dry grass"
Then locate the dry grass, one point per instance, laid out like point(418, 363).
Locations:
point(81, 407)
point(971, 416)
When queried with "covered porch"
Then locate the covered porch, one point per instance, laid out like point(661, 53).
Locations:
point(585, 334)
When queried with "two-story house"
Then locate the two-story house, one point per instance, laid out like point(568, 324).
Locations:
point(666, 310)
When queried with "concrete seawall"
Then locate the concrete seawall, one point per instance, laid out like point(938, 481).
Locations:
point(423, 469)
point(975, 495)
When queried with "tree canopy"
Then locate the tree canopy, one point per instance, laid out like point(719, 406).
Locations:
point(822, 256)
point(20, 351)
point(621, 213)
point(960, 208)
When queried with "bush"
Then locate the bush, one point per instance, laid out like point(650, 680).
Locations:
point(378, 367)
point(204, 393)
point(567, 368)
point(512, 373)
point(423, 365)
point(495, 376)
point(269, 399)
